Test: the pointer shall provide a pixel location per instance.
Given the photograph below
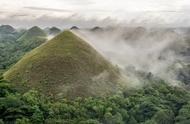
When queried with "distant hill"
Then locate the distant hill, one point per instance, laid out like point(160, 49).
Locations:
point(33, 32)
point(32, 38)
point(65, 66)
point(6, 29)
point(74, 28)
point(15, 43)
point(9, 50)
point(52, 31)
point(97, 29)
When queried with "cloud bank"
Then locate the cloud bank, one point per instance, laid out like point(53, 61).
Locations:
point(59, 12)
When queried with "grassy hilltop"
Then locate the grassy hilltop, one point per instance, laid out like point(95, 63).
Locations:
point(32, 38)
point(64, 66)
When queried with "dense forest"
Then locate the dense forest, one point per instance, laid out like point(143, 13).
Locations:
point(154, 103)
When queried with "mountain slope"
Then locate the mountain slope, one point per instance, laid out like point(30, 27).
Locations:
point(34, 31)
point(32, 38)
point(65, 66)
point(6, 29)
point(54, 31)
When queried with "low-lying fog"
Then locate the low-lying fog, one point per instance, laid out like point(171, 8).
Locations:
point(162, 51)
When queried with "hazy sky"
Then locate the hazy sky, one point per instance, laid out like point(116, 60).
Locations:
point(86, 13)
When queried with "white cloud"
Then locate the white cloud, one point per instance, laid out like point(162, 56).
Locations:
point(122, 10)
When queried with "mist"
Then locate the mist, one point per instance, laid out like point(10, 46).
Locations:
point(155, 51)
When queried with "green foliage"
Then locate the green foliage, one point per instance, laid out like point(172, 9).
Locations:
point(1, 121)
point(140, 106)
point(184, 115)
point(150, 122)
point(23, 121)
point(14, 44)
point(37, 116)
point(90, 121)
point(31, 97)
point(21, 108)
point(164, 117)
point(144, 111)
point(5, 88)
point(148, 105)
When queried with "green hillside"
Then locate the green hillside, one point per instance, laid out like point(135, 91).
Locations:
point(33, 32)
point(54, 31)
point(6, 29)
point(65, 66)
point(15, 43)
point(32, 38)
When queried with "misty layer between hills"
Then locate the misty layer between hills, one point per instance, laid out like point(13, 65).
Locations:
point(163, 52)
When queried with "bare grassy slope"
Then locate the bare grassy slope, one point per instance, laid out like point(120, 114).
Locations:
point(65, 66)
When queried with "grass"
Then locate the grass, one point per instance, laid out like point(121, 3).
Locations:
point(64, 67)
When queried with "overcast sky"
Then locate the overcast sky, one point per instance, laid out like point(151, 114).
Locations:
point(85, 13)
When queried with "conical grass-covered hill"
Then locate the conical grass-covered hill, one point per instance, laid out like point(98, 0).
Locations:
point(65, 66)
point(32, 38)
point(32, 32)
point(54, 31)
